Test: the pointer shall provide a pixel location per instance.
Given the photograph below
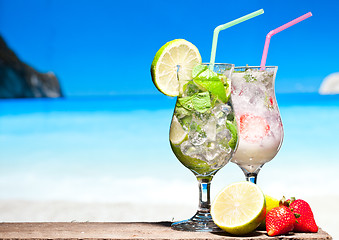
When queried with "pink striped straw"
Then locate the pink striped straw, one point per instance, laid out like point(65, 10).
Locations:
point(275, 31)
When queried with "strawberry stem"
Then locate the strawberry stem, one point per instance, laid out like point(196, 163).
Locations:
point(284, 202)
point(292, 200)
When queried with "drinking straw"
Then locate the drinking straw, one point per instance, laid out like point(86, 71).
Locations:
point(275, 31)
point(227, 25)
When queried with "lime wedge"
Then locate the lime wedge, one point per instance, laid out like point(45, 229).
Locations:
point(233, 129)
point(227, 83)
point(198, 69)
point(172, 66)
point(239, 208)
point(177, 133)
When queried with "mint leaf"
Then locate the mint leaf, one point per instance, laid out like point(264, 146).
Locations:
point(199, 102)
point(249, 78)
point(212, 82)
point(186, 102)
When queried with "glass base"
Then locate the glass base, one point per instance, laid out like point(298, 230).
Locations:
point(200, 222)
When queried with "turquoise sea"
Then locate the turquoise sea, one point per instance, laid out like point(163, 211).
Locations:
point(116, 150)
point(83, 148)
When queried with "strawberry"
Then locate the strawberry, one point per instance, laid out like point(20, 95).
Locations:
point(253, 128)
point(305, 221)
point(279, 220)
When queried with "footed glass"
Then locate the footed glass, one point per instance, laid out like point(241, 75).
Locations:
point(203, 136)
point(257, 113)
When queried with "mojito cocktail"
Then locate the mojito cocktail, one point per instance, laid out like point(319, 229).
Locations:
point(203, 131)
point(203, 134)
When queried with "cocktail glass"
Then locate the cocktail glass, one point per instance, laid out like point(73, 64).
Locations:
point(259, 123)
point(203, 136)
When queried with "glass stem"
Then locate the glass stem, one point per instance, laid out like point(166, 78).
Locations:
point(204, 195)
point(251, 177)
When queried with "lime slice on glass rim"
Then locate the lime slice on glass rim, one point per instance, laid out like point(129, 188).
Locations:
point(172, 66)
point(239, 208)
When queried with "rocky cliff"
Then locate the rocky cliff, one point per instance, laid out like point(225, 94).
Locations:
point(19, 80)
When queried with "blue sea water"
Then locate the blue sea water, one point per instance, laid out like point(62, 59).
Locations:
point(116, 149)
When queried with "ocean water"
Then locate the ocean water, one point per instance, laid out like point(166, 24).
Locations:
point(116, 150)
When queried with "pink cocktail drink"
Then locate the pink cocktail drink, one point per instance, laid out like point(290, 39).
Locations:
point(259, 123)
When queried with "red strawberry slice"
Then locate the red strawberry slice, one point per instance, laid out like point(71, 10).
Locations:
point(253, 128)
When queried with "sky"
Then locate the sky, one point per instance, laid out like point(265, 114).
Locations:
point(103, 47)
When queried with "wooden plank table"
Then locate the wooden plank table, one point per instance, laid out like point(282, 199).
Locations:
point(124, 230)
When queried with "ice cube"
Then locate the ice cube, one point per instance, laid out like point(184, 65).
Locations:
point(188, 149)
point(200, 118)
point(196, 135)
point(197, 138)
point(212, 151)
point(223, 137)
point(226, 108)
point(210, 129)
point(258, 95)
point(220, 113)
